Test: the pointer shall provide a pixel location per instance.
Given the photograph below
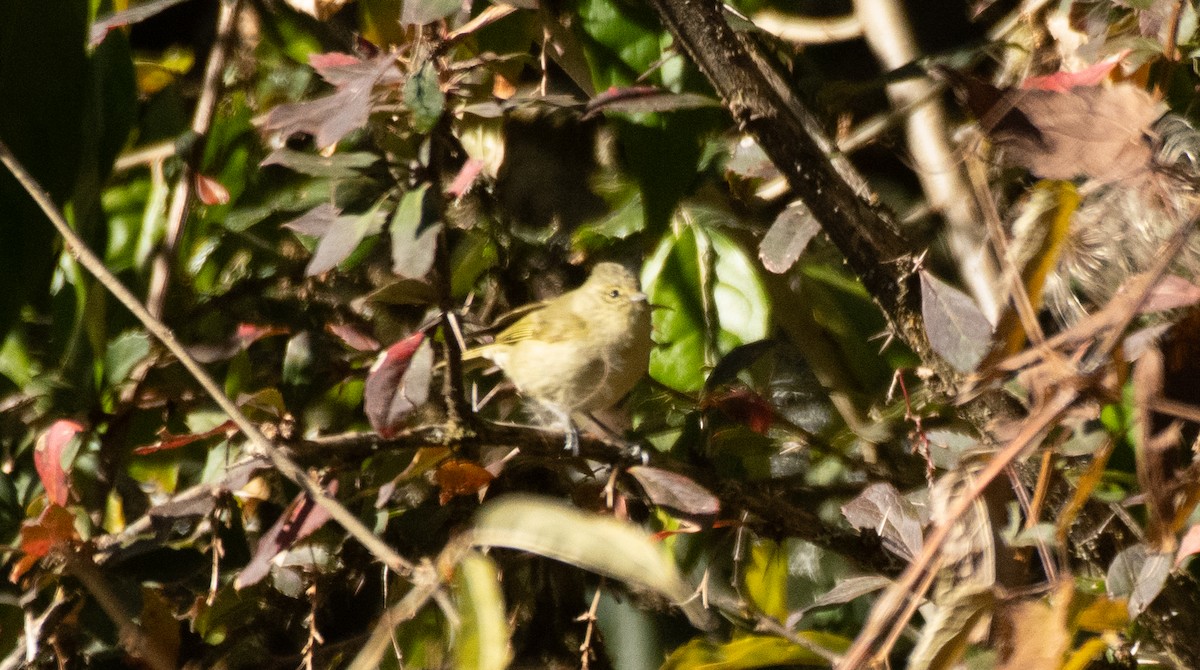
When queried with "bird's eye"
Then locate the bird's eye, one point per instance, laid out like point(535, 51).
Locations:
point(614, 293)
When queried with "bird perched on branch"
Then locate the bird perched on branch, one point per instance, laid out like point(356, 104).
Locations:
point(580, 352)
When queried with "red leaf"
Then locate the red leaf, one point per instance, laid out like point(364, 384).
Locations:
point(47, 459)
point(398, 383)
point(1065, 81)
point(167, 441)
point(743, 406)
point(249, 333)
point(299, 520)
point(54, 526)
point(210, 191)
point(465, 177)
point(322, 63)
point(353, 337)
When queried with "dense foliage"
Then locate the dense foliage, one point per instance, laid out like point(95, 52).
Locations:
point(836, 457)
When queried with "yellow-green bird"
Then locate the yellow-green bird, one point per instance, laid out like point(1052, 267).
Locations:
point(579, 352)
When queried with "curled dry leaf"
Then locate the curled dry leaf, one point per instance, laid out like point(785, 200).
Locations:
point(1100, 132)
point(458, 477)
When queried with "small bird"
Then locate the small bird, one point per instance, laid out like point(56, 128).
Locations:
point(580, 352)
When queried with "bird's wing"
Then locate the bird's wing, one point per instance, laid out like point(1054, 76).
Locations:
point(554, 322)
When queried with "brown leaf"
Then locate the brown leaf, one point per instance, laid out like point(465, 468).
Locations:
point(458, 477)
point(54, 526)
point(1101, 132)
point(1090, 131)
point(1154, 469)
point(1036, 632)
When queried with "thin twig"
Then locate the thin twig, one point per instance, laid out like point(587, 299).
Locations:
point(888, 33)
point(888, 615)
point(284, 464)
point(133, 637)
point(181, 195)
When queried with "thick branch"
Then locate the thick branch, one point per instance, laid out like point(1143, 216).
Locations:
point(762, 102)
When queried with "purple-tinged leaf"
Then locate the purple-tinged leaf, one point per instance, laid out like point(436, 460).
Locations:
point(673, 490)
point(787, 237)
point(958, 331)
point(398, 383)
point(332, 117)
point(881, 508)
point(127, 17)
point(316, 221)
point(342, 238)
point(299, 520)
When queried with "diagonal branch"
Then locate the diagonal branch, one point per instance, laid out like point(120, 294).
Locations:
point(285, 465)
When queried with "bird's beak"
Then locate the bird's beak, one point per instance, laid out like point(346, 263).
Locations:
point(638, 297)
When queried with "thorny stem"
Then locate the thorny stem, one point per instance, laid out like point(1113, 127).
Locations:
point(181, 195)
point(282, 462)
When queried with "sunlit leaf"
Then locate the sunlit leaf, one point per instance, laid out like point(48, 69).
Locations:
point(596, 543)
point(765, 578)
point(52, 458)
point(755, 651)
point(711, 301)
point(483, 642)
point(787, 237)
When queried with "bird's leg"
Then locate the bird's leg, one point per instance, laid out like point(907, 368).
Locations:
point(568, 427)
point(631, 450)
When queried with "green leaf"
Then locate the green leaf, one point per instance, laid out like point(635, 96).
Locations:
point(414, 234)
point(601, 544)
point(424, 98)
point(754, 651)
point(711, 300)
point(766, 579)
point(484, 636)
point(124, 352)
